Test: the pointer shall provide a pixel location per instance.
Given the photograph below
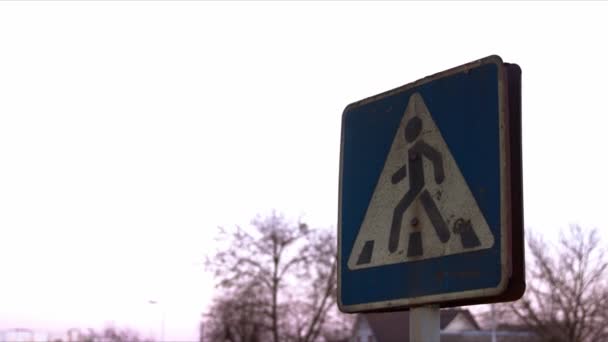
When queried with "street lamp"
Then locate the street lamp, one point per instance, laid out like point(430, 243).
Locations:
point(162, 322)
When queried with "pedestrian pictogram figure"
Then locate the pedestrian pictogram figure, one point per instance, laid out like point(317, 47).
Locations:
point(414, 167)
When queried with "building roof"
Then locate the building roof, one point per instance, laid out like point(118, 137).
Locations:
point(395, 326)
point(486, 336)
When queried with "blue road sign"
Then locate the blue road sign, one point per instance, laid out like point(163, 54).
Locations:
point(430, 208)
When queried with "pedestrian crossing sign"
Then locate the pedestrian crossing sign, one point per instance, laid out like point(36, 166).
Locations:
point(430, 205)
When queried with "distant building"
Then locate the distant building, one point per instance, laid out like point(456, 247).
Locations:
point(456, 325)
point(22, 335)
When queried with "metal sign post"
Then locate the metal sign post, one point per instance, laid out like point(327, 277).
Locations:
point(424, 324)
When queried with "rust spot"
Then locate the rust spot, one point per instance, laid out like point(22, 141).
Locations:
point(438, 195)
point(468, 274)
point(463, 274)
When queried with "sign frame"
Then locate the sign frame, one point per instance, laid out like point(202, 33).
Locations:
point(512, 279)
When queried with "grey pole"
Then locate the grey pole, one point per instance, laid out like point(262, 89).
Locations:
point(162, 318)
point(424, 324)
point(162, 331)
point(493, 323)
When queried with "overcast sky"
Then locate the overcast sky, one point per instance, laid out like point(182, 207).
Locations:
point(130, 131)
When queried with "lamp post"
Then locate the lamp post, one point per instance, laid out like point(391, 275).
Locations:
point(162, 321)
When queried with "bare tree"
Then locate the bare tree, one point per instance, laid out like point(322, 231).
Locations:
point(238, 317)
point(290, 270)
point(112, 334)
point(315, 297)
point(567, 292)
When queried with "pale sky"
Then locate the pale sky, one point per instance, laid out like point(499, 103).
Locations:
point(130, 131)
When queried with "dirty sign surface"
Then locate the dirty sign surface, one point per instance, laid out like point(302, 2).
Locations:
point(430, 192)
